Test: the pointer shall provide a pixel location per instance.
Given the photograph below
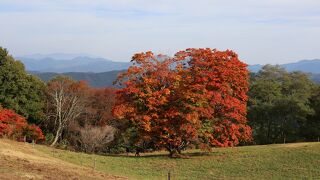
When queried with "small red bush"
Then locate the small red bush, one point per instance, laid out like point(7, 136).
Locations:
point(15, 126)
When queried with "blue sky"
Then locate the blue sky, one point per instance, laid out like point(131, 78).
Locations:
point(265, 31)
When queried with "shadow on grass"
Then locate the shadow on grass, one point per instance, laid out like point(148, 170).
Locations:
point(163, 155)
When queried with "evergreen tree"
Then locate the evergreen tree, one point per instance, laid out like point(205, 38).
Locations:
point(20, 91)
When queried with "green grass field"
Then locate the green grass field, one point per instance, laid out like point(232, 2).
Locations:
point(288, 161)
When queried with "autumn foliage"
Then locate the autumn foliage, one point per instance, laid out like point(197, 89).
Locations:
point(99, 106)
point(197, 96)
point(16, 127)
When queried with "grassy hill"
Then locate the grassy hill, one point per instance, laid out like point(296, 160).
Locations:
point(23, 161)
point(288, 161)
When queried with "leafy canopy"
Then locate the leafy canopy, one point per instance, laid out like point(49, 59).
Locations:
point(18, 90)
point(279, 104)
point(198, 96)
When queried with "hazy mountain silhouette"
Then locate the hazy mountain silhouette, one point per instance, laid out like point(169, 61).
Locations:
point(103, 79)
point(308, 66)
point(54, 63)
point(100, 72)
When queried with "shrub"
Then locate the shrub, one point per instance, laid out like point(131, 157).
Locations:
point(33, 132)
point(16, 127)
point(94, 138)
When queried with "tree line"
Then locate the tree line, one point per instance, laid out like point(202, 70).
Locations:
point(200, 98)
point(283, 106)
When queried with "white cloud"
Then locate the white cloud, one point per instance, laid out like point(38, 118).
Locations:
point(273, 31)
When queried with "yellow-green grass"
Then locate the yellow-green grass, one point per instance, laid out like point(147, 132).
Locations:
point(286, 161)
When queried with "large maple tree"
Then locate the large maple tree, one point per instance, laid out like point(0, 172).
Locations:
point(197, 96)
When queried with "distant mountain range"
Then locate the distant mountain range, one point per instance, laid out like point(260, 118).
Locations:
point(62, 63)
point(104, 79)
point(316, 78)
point(58, 56)
point(100, 72)
point(308, 66)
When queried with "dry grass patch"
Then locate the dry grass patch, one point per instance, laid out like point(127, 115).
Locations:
point(22, 161)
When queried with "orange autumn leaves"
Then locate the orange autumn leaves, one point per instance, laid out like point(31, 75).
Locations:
point(197, 96)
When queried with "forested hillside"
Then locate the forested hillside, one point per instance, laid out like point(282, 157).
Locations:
point(103, 79)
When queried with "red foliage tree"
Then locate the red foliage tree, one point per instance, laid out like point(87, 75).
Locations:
point(218, 80)
point(15, 126)
point(199, 95)
point(99, 106)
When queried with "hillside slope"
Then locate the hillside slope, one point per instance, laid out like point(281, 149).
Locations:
point(22, 161)
point(104, 79)
point(288, 161)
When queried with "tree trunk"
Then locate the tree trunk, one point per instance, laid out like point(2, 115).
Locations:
point(56, 138)
point(179, 150)
point(173, 152)
point(268, 131)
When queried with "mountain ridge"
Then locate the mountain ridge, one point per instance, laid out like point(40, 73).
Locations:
point(76, 64)
point(308, 66)
point(102, 79)
point(101, 72)
point(64, 63)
